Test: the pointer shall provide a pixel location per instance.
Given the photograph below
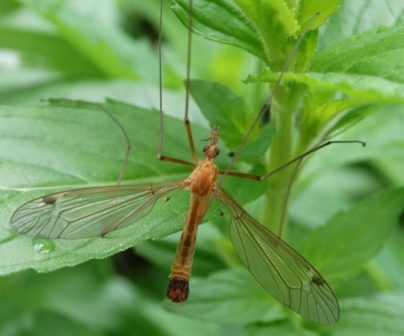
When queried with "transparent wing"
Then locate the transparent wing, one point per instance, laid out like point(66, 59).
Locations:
point(88, 212)
point(278, 268)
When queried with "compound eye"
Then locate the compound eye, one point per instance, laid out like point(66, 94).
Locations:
point(206, 148)
point(217, 151)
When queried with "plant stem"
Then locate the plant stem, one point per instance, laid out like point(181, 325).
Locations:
point(283, 110)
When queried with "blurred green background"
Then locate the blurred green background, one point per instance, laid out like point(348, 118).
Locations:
point(108, 48)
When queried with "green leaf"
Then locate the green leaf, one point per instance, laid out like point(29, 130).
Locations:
point(219, 21)
point(268, 29)
point(74, 297)
point(275, 329)
point(276, 33)
point(373, 53)
point(382, 133)
point(48, 148)
point(351, 238)
point(111, 51)
point(362, 88)
point(365, 68)
point(374, 316)
point(230, 296)
point(255, 150)
point(324, 8)
point(48, 323)
point(368, 15)
point(41, 48)
point(221, 106)
point(8, 6)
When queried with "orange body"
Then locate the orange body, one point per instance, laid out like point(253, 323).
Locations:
point(201, 183)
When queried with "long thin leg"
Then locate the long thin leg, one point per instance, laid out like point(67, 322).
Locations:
point(265, 108)
point(187, 83)
point(264, 177)
point(299, 160)
point(128, 143)
point(267, 103)
point(285, 202)
point(160, 145)
point(116, 121)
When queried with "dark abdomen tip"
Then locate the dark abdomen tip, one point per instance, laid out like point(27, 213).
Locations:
point(178, 290)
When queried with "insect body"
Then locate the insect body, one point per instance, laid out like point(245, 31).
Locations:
point(201, 184)
point(92, 212)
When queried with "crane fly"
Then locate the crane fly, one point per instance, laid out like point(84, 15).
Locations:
point(96, 211)
point(90, 212)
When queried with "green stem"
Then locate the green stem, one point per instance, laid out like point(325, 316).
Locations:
point(283, 110)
